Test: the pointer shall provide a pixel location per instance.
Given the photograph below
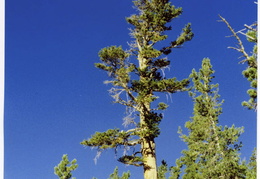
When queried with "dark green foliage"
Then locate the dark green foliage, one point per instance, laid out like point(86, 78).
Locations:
point(65, 167)
point(151, 23)
point(137, 73)
point(212, 149)
point(162, 106)
point(109, 139)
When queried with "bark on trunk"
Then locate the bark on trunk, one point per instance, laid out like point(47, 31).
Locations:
point(148, 144)
point(148, 153)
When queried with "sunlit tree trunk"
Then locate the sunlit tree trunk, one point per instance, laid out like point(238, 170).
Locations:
point(149, 157)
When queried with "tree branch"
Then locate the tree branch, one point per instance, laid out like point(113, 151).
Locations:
point(241, 49)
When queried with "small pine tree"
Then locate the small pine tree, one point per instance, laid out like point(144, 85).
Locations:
point(212, 150)
point(65, 167)
point(114, 175)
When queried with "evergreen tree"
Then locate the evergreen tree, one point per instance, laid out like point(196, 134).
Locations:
point(65, 167)
point(162, 170)
point(250, 73)
point(251, 170)
point(140, 80)
point(212, 150)
point(115, 175)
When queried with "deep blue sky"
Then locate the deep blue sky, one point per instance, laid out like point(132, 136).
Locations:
point(55, 97)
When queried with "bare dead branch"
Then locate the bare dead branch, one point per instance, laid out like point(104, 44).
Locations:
point(234, 48)
point(241, 49)
point(250, 27)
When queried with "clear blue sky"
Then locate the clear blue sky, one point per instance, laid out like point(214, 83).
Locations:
point(55, 97)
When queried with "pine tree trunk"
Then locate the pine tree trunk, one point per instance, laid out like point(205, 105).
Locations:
point(149, 157)
point(148, 143)
point(148, 150)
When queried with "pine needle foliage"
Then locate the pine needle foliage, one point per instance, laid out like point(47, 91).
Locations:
point(65, 167)
point(212, 149)
point(138, 74)
point(162, 170)
point(115, 175)
point(250, 73)
point(251, 170)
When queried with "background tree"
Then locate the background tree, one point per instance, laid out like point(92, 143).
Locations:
point(115, 175)
point(162, 170)
point(212, 150)
point(251, 71)
point(251, 170)
point(65, 167)
point(140, 80)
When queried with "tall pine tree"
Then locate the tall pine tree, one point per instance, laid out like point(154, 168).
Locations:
point(212, 150)
point(140, 80)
